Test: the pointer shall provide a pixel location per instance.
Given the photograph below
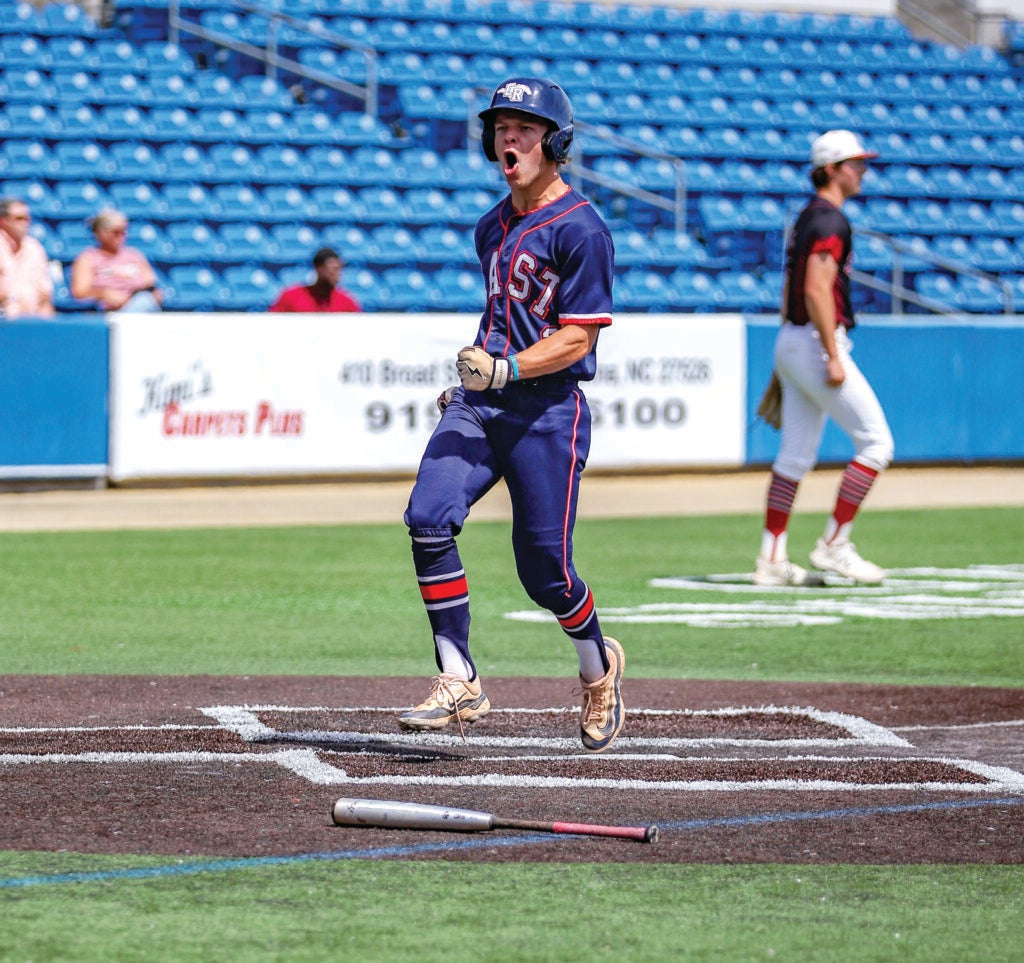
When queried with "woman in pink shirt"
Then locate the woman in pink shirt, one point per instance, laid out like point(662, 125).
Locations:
point(117, 277)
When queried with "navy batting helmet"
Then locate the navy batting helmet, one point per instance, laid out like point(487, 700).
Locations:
point(541, 98)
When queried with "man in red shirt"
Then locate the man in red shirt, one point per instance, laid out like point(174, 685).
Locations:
point(323, 294)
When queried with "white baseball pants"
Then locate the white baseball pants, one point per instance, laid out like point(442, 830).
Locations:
point(807, 401)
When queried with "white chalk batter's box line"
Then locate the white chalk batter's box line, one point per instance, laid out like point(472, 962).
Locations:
point(308, 764)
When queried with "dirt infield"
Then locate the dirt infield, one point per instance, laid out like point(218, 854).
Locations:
point(235, 767)
point(610, 496)
point(249, 767)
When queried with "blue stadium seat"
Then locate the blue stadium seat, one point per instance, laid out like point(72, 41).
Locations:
point(232, 163)
point(220, 126)
point(283, 203)
point(980, 296)
point(693, 290)
point(170, 125)
point(363, 166)
point(415, 167)
point(456, 289)
point(138, 200)
point(441, 244)
point(117, 55)
point(27, 86)
point(191, 288)
point(25, 121)
point(68, 239)
point(929, 217)
point(282, 164)
point(212, 89)
point(78, 121)
point(349, 240)
point(246, 242)
point(889, 217)
point(119, 88)
point(743, 291)
point(938, 288)
point(73, 87)
point(122, 122)
point(424, 205)
point(406, 289)
point(1008, 217)
point(25, 158)
point(671, 249)
point(24, 53)
point(235, 202)
point(335, 204)
point(247, 288)
point(971, 217)
point(382, 205)
point(134, 161)
point(163, 58)
point(78, 199)
point(639, 289)
point(997, 255)
point(391, 244)
point(299, 239)
point(263, 93)
point(186, 201)
point(192, 242)
point(328, 165)
point(65, 19)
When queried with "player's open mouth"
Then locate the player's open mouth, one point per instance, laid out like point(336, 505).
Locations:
point(511, 162)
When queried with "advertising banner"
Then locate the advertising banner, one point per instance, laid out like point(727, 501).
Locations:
point(242, 395)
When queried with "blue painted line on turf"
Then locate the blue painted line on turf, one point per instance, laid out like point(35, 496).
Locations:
point(762, 819)
point(390, 852)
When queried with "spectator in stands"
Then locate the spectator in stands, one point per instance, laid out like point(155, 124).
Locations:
point(323, 294)
point(115, 276)
point(26, 287)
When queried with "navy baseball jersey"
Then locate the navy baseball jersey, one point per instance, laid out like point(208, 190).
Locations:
point(821, 226)
point(551, 267)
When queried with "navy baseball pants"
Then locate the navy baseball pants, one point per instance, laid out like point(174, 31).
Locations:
point(535, 435)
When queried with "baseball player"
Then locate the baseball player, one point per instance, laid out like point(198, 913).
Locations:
point(819, 377)
point(519, 414)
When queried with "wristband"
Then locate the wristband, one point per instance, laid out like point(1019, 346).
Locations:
point(513, 362)
point(500, 375)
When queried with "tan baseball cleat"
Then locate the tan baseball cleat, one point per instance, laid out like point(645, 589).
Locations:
point(451, 698)
point(602, 715)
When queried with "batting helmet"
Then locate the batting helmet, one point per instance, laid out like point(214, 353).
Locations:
point(541, 98)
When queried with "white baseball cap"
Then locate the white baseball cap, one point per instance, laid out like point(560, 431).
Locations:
point(837, 145)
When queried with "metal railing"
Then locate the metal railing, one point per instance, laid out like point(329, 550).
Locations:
point(273, 60)
point(899, 292)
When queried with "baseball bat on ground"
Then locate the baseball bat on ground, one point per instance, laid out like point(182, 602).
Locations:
point(409, 815)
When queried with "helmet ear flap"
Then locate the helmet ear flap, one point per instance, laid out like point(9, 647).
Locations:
point(556, 143)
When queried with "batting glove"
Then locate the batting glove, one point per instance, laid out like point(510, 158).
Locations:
point(444, 399)
point(478, 371)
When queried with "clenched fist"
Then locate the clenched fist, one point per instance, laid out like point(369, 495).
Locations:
point(478, 371)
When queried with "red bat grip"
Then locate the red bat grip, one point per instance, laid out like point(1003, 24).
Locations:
point(643, 834)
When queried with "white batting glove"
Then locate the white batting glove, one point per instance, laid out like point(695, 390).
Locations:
point(444, 399)
point(478, 371)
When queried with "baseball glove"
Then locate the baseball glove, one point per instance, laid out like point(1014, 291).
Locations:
point(769, 408)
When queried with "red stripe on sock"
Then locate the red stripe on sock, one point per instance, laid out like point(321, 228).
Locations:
point(435, 591)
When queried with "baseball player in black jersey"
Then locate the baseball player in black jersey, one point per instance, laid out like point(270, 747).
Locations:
point(520, 415)
point(819, 377)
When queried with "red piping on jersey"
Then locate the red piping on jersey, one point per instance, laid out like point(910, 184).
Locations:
point(512, 260)
point(568, 495)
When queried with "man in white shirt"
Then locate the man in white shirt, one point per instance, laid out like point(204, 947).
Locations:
point(26, 287)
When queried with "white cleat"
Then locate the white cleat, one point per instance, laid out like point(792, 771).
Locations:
point(781, 572)
point(841, 557)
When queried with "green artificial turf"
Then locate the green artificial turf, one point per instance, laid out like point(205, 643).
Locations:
point(421, 912)
point(343, 601)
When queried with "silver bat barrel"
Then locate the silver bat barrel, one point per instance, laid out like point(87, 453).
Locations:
point(408, 815)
